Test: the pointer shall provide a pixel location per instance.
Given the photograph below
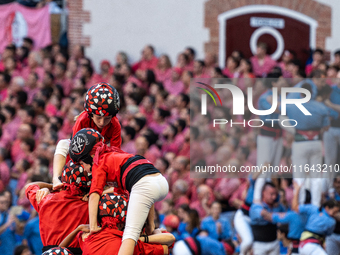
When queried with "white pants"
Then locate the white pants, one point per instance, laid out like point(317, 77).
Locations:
point(264, 248)
point(331, 139)
point(180, 248)
point(269, 150)
point(144, 194)
point(312, 249)
point(333, 244)
point(303, 153)
point(243, 229)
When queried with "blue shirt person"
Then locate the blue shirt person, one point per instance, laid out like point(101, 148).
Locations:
point(32, 235)
point(218, 228)
point(296, 95)
point(296, 223)
point(273, 80)
point(264, 230)
point(318, 119)
point(319, 221)
point(7, 233)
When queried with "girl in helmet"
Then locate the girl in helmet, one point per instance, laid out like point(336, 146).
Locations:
point(112, 212)
point(132, 173)
point(101, 107)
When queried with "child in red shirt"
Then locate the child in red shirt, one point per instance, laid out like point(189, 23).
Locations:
point(101, 106)
point(134, 174)
point(112, 217)
point(55, 209)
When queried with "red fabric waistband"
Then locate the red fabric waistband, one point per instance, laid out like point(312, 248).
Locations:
point(309, 134)
point(191, 242)
point(246, 207)
point(131, 166)
point(296, 243)
point(277, 131)
point(310, 240)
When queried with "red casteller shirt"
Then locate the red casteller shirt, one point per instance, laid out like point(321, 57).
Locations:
point(108, 170)
point(110, 132)
point(59, 214)
point(108, 241)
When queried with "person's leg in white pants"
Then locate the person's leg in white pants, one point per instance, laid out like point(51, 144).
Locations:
point(331, 139)
point(144, 194)
point(264, 248)
point(269, 150)
point(312, 249)
point(316, 180)
point(333, 244)
point(300, 158)
point(243, 229)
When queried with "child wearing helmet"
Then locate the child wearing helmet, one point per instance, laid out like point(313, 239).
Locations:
point(128, 172)
point(55, 208)
point(112, 212)
point(58, 251)
point(100, 109)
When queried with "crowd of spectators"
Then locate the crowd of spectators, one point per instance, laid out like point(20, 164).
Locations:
point(41, 93)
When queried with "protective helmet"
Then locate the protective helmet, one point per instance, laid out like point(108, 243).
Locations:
point(113, 205)
point(75, 174)
point(58, 251)
point(171, 221)
point(82, 144)
point(102, 99)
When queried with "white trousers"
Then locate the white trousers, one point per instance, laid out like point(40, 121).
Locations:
point(264, 248)
point(180, 248)
point(312, 249)
point(303, 154)
point(333, 244)
point(243, 229)
point(269, 150)
point(144, 194)
point(331, 139)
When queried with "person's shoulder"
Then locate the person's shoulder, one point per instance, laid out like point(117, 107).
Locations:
point(83, 116)
point(207, 219)
point(255, 206)
point(115, 121)
point(265, 94)
point(82, 121)
point(319, 106)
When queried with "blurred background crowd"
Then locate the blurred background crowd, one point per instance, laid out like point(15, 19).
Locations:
point(41, 92)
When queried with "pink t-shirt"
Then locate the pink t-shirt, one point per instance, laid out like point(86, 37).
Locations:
point(158, 128)
point(199, 208)
point(3, 94)
point(9, 132)
point(162, 75)
point(27, 70)
point(31, 94)
point(265, 68)
point(66, 84)
point(174, 88)
point(146, 64)
point(16, 152)
point(129, 147)
point(4, 173)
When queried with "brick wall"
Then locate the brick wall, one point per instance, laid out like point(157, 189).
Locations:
point(321, 13)
point(311, 8)
point(77, 17)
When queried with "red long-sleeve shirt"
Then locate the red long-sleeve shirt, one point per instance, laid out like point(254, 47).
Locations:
point(59, 214)
point(108, 241)
point(108, 171)
point(110, 132)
